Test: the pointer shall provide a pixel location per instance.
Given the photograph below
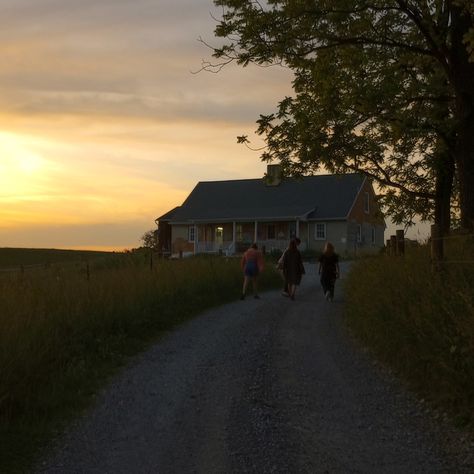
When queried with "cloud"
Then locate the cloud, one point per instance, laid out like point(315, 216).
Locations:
point(102, 92)
point(132, 59)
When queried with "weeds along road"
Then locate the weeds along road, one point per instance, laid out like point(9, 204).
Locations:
point(258, 386)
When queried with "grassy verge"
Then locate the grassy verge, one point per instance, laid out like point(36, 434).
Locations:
point(63, 333)
point(420, 323)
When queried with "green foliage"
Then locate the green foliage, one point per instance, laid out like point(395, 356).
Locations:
point(374, 90)
point(64, 330)
point(150, 239)
point(420, 323)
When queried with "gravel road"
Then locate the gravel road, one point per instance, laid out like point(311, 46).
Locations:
point(259, 386)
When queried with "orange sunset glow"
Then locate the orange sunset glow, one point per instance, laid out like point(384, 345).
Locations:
point(104, 126)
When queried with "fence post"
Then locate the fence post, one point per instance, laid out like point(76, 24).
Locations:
point(151, 259)
point(88, 273)
point(400, 242)
point(393, 245)
point(437, 247)
point(388, 249)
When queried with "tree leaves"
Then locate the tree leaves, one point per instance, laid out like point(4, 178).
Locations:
point(373, 88)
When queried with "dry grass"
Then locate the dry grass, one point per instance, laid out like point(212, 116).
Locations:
point(421, 323)
point(62, 335)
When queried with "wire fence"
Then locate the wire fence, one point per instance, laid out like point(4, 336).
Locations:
point(452, 249)
point(85, 266)
point(22, 268)
point(455, 249)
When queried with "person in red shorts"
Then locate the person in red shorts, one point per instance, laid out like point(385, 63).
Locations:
point(252, 265)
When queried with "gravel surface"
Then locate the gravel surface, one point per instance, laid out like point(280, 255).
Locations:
point(259, 386)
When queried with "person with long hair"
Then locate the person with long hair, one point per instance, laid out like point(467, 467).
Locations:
point(329, 270)
point(285, 291)
point(293, 268)
point(252, 265)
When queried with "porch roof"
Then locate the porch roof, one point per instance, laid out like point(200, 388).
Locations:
point(167, 216)
point(313, 197)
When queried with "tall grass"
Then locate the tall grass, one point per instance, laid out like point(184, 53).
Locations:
point(62, 334)
point(420, 322)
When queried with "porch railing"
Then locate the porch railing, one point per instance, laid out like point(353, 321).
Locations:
point(226, 247)
point(230, 248)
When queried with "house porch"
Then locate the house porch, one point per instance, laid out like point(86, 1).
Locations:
point(235, 237)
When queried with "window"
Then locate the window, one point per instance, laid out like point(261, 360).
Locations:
point(270, 231)
point(359, 233)
point(373, 235)
point(191, 233)
point(320, 231)
point(366, 203)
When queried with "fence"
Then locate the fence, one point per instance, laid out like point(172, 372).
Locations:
point(86, 267)
point(396, 243)
point(441, 247)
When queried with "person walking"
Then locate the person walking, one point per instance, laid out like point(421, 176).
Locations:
point(252, 266)
point(329, 270)
point(285, 291)
point(293, 268)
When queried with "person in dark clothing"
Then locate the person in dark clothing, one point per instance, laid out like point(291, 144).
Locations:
point(293, 268)
point(286, 291)
point(329, 270)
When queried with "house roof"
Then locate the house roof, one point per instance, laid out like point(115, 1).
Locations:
point(169, 215)
point(318, 197)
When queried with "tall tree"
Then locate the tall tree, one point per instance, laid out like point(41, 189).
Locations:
point(384, 87)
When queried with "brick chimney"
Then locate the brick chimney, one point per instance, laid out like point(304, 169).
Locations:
point(273, 176)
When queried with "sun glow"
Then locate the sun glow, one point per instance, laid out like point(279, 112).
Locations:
point(21, 168)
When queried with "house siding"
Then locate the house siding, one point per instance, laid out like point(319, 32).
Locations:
point(164, 237)
point(358, 213)
point(336, 233)
point(180, 242)
point(373, 219)
point(365, 244)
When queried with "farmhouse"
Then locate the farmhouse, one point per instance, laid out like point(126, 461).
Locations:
point(227, 216)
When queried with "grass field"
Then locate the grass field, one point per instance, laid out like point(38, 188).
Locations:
point(64, 331)
point(420, 322)
point(15, 257)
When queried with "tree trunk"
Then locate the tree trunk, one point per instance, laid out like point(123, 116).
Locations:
point(443, 192)
point(463, 82)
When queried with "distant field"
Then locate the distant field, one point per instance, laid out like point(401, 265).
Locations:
point(14, 257)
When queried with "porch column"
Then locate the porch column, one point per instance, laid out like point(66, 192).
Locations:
point(234, 231)
point(255, 232)
point(307, 226)
point(196, 239)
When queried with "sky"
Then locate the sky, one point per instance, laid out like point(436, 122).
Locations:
point(105, 124)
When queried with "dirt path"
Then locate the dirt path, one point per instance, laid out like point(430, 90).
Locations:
point(256, 386)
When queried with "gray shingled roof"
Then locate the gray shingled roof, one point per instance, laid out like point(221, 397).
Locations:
point(318, 197)
point(169, 215)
